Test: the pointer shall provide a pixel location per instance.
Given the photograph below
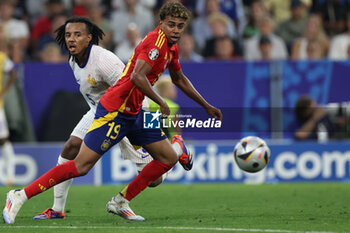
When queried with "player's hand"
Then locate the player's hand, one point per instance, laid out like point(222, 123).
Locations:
point(214, 112)
point(164, 109)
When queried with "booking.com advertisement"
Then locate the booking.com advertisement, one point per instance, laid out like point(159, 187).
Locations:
point(213, 162)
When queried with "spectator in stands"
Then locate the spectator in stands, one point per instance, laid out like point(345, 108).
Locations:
point(314, 50)
point(332, 13)
point(256, 12)
point(51, 53)
point(251, 48)
point(186, 49)
point(312, 121)
point(201, 28)
point(17, 30)
point(95, 13)
point(37, 8)
point(134, 12)
point(49, 38)
point(293, 28)
point(218, 28)
point(313, 31)
point(339, 44)
point(20, 11)
point(126, 48)
point(232, 8)
point(265, 48)
point(147, 4)
point(43, 25)
point(224, 49)
point(280, 10)
point(81, 7)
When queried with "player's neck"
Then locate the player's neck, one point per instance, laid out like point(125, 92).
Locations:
point(81, 57)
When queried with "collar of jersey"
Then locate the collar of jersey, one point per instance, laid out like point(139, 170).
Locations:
point(87, 58)
point(172, 48)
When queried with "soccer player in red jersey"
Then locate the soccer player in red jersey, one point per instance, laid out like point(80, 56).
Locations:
point(119, 114)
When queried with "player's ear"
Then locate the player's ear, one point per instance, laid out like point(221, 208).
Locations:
point(89, 38)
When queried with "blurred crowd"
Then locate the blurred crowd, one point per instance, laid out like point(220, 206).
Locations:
point(219, 29)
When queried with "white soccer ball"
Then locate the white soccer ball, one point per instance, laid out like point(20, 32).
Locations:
point(251, 154)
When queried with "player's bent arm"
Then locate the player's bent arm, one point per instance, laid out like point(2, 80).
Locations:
point(185, 85)
point(139, 79)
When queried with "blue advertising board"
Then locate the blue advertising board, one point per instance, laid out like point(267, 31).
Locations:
point(33, 160)
point(213, 162)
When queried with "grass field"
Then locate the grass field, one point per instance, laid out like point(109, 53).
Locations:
point(200, 208)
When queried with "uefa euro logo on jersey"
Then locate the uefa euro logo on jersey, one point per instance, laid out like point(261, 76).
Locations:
point(151, 120)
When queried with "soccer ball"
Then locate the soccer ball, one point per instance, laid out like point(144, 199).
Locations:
point(251, 154)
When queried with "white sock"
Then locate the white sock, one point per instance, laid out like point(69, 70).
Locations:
point(177, 148)
point(61, 191)
point(9, 160)
point(23, 195)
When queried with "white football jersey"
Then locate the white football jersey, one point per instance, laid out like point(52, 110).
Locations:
point(101, 70)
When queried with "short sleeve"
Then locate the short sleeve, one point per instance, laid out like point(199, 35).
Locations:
point(110, 67)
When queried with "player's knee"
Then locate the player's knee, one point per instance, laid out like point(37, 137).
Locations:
point(83, 169)
point(71, 148)
point(156, 182)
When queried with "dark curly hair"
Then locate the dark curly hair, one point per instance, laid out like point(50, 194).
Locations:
point(174, 9)
point(93, 29)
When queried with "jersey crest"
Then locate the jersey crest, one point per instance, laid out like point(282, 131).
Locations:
point(153, 54)
point(92, 80)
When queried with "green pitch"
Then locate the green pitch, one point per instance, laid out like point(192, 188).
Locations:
point(199, 208)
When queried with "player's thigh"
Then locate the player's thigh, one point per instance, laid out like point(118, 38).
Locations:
point(162, 151)
point(86, 159)
point(72, 145)
point(107, 129)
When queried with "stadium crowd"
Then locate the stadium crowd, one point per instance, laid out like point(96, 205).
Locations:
point(219, 29)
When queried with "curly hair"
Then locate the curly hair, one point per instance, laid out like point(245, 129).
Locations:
point(174, 9)
point(93, 29)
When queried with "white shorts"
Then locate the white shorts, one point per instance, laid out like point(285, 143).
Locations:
point(139, 156)
point(4, 130)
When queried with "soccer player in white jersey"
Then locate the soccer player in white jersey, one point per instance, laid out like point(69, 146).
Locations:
point(95, 69)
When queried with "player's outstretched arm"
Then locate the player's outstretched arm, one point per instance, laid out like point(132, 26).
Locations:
point(139, 79)
point(182, 82)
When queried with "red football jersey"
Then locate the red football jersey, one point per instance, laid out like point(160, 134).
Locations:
point(124, 96)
